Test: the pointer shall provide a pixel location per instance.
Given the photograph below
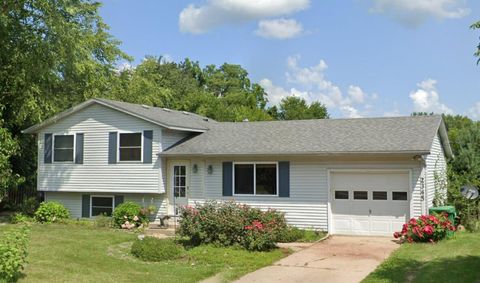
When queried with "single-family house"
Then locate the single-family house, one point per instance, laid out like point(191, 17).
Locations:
point(362, 176)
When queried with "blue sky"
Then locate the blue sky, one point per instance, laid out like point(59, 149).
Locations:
point(361, 58)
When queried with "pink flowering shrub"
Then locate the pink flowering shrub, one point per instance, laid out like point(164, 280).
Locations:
point(129, 215)
point(228, 224)
point(426, 228)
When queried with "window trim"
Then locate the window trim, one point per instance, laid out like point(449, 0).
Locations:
point(74, 147)
point(101, 196)
point(378, 191)
point(173, 180)
point(118, 147)
point(254, 163)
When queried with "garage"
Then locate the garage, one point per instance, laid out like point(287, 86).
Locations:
point(369, 202)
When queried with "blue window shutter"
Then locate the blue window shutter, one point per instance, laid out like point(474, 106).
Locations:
point(227, 179)
point(118, 200)
point(85, 206)
point(47, 148)
point(284, 179)
point(112, 148)
point(147, 146)
point(79, 148)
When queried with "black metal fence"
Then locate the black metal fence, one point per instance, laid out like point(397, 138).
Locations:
point(17, 196)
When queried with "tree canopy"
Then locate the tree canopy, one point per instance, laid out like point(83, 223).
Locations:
point(56, 54)
point(477, 53)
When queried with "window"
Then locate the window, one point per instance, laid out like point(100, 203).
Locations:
point(179, 181)
point(341, 194)
point(130, 147)
point(255, 179)
point(378, 195)
point(102, 205)
point(360, 195)
point(399, 195)
point(63, 148)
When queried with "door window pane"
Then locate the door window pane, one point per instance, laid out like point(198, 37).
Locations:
point(244, 179)
point(379, 195)
point(341, 194)
point(266, 179)
point(360, 195)
point(399, 195)
point(179, 181)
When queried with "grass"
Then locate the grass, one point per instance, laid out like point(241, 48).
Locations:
point(75, 253)
point(454, 260)
point(310, 236)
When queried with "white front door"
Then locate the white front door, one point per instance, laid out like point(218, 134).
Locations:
point(369, 203)
point(179, 185)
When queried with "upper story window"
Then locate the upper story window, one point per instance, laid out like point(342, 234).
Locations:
point(63, 148)
point(130, 147)
point(255, 179)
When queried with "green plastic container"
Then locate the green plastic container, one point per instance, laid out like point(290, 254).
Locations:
point(452, 214)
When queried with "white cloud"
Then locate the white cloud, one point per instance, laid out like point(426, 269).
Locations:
point(415, 12)
point(124, 66)
point(279, 28)
point(356, 94)
point(427, 99)
point(475, 111)
point(316, 87)
point(214, 13)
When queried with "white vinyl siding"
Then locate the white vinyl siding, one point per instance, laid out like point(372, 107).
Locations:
point(436, 165)
point(95, 174)
point(307, 206)
point(73, 202)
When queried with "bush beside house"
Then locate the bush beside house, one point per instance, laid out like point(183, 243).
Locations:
point(228, 224)
point(50, 212)
point(129, 215)
point(426, 228)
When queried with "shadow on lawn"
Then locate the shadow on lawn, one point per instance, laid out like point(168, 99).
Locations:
point(455, 269)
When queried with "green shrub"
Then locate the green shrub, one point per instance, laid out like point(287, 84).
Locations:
point(291, 234)
point(129, 215)
point(154, 249)
point(13, 253)
point(20, 218)
point(103, 221)
point(229, 224)
point(29, 206)
point(51, 211)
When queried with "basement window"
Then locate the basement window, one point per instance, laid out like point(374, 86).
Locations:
point(255, 178)
point(101, 205)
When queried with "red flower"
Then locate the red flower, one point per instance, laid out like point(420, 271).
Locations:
point(413, 221)
point(396, 235)
point(428, 229)
point(248, 227)
point(409, 239)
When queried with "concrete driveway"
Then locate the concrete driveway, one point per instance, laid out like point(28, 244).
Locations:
point(337, 259)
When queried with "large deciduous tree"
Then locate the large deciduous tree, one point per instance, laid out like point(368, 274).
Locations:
point(54, 54)
point(296, 108)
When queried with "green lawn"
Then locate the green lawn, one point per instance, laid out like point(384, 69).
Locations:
point(454, 260)
point(70, 253)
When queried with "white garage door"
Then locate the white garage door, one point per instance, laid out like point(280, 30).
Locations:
point(373, 203)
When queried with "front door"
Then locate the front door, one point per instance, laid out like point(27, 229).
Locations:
point(179, 186)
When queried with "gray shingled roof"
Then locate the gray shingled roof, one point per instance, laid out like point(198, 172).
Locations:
point(171, 119)
point(328, 136)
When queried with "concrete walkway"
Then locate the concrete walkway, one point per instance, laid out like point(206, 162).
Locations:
point(337, 259)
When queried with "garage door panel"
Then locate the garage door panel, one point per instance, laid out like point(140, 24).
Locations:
point(379, 214)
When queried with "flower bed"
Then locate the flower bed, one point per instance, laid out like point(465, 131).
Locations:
point(426, 228)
